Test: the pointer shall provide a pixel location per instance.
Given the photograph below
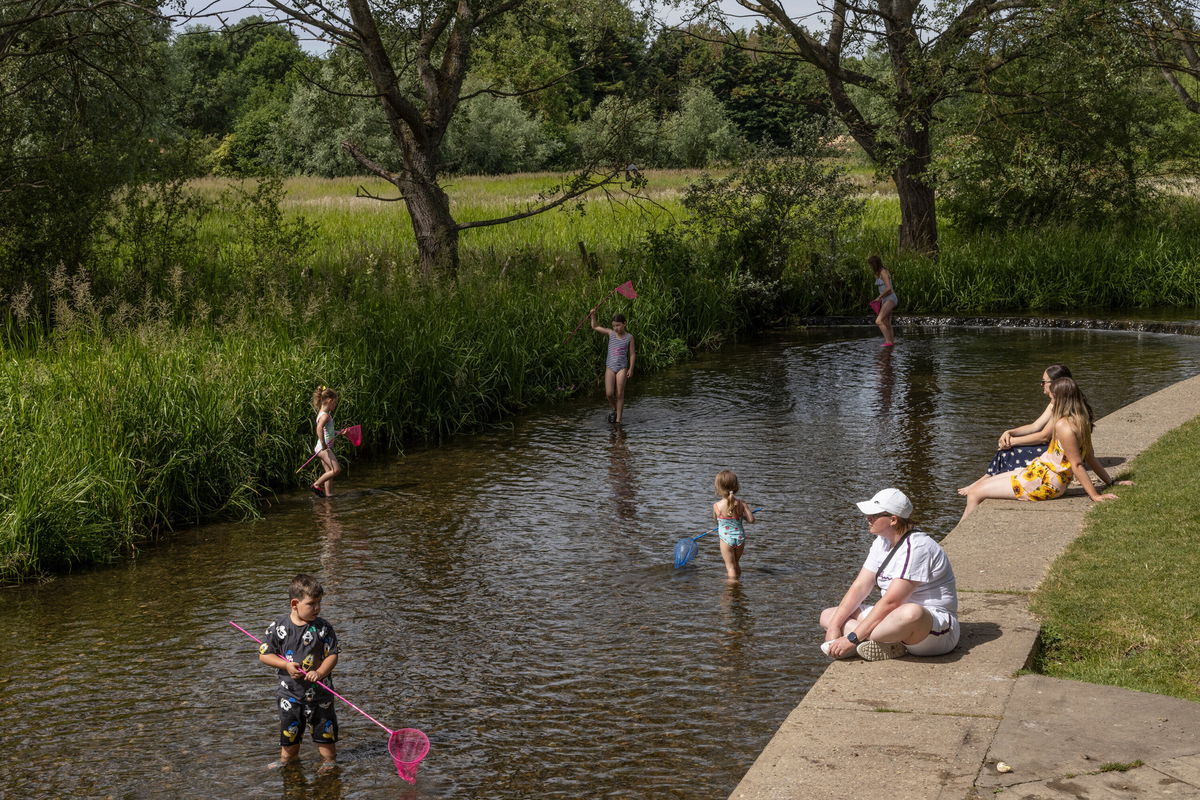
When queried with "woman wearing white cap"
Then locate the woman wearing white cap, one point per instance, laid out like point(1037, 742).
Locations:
point(917, 612)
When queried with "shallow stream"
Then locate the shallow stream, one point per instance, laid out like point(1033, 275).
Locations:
point(512, 594)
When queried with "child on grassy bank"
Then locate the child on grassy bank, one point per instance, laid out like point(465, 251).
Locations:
point(324, 402)
point(618, 368)
point(304, 649)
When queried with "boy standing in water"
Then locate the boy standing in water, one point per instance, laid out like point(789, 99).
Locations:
point(618, 368)
point(304, 648)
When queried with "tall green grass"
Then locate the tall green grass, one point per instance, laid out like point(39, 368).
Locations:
point(1142, 265)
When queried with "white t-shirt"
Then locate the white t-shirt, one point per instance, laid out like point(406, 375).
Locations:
point(921, 560)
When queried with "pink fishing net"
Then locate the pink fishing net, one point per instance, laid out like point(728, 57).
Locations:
point(353, 434)
point(407, 747)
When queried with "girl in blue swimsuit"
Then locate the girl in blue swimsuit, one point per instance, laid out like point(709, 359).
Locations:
point(618, 368)
point(731, 514)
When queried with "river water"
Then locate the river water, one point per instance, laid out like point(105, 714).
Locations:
point(512, 593)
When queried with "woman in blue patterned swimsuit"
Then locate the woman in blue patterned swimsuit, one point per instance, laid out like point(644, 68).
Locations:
point(731, 514)
point(618, 368)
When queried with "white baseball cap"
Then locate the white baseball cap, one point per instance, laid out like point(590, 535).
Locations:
point(888, 501)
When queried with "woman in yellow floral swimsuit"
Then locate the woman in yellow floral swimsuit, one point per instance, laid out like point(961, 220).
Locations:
point(1049, 475)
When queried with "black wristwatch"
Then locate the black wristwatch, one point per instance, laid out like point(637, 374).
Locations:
point(852, 637)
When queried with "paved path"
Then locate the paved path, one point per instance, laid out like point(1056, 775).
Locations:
point(936, 727)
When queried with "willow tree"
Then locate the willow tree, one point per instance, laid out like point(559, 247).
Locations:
point(418, 55)
point(80, 88)
point(1171, 33)
point(889, 63)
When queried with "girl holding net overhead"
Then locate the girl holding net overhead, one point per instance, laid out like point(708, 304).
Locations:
point(1017, 447)
point(1048, 475)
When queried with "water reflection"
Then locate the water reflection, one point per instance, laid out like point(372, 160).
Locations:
point(620, 475)
point(331, 543)
point(886, 379)
point(512, 593)
point(298, 786)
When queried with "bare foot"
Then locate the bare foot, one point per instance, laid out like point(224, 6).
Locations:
point(963, 490)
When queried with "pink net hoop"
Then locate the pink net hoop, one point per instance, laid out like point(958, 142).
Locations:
point(353, 434)
point(407, 747)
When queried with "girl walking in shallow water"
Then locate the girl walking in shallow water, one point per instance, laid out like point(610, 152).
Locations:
point(618, 368)
point(324, 402)
point(886, 300)
point(731, 514)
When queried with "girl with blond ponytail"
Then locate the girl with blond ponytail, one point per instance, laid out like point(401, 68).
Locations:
point(1048, 475)
point(731, 513)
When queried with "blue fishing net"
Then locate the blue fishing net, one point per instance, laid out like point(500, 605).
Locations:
point(685, 550)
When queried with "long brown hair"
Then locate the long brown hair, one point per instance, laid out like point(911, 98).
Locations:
point(726, 485)
point(1055, 371)
point(1068, 402)
point(322, 394)
point(876, 263)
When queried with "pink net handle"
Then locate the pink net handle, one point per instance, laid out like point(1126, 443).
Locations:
point(407, 747)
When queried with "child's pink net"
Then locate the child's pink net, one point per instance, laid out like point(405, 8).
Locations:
point(353, 434)
point(407, 747)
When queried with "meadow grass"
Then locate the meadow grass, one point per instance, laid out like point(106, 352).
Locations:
point(1050, 269)
point(1119, 607)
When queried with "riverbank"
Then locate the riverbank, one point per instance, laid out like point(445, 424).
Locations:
point(1101, 607)
point(937, 727)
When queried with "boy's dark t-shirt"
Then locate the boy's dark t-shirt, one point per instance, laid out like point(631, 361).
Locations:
point(307, 644)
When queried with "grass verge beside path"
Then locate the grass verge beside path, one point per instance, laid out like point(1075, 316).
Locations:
point(1120, 606)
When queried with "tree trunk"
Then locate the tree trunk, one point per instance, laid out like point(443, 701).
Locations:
point(435, 229)
point(918, 204)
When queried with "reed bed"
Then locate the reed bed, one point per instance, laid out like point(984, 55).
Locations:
point(121, 424)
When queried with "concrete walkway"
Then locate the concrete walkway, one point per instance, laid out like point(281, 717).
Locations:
point(936, 727)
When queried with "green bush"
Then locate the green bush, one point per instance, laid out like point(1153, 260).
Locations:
point(492, 135)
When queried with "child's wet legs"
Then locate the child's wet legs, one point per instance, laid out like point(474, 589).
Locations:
point(287, 754)
point(618, 399)
point(332, 470)
point(884, 321)
point(732, 555)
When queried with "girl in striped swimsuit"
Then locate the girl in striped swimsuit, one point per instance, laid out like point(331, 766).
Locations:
point(619, 367)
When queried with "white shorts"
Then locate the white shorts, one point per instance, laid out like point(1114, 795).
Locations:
point(943, 633)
